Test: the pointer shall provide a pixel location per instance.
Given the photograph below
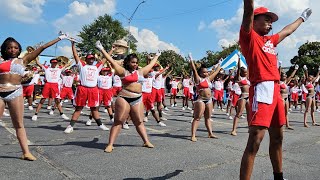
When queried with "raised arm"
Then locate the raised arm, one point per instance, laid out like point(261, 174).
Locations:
point(145, 70)
point(214, 74)
point(314, 79)
point(296, 67)
point(196, 76)
point(75, 52)
point(39, 64)
point(163, 71)
point(305, 71)
point(247, 19)
point(289, 29)
point(237, 78)
point(118, 69)
point(31, 56)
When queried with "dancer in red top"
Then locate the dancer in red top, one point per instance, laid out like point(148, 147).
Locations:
point(267, 110)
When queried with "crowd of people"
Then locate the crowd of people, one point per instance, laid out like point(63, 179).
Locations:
point(129, 92)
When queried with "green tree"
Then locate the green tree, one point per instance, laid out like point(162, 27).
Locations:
point(309, 55)
point(105, 29)
point(175, 61)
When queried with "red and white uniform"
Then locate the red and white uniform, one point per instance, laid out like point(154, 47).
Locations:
point(105, 89)
point(156, 87)
point(174, 87)
point(191, 92)
point(29, 87)
point(146, 93)
point(51, 87)
point(236, 94)
point(87, 92)
point(163, 86)
point(66, 91)
point(186, 84)
point(294, 91)
point(117, 85)
point(317, 89)
point(218, 90)
point(304, 92)
point(265, 100)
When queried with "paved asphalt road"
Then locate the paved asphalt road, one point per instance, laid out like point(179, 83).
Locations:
point(80, 155)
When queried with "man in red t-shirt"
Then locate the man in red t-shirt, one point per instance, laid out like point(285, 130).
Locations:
point(267, 111)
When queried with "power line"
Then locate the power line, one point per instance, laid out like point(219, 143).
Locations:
point(183, 13)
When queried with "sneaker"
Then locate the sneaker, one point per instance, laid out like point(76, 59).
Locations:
point(183, 108)
point(175, 105)
point(242, 117)
point(172, 105)
point(223, 110)
point(61, 103)
point(230, 117)
point(87, 106)
point(51, 112)
point(163, 119)
point(165, 113)
point(34, 103)
point(289, 112)
point(49, 107)
point(30, 108)
point(104, 127)
point(88, 123)
point(105, 110)
point(81, 112)
point(112, 120)
point(5, 114)
point(212, 110)
point(25, 103)
point(34, 118)
point(125, 126)
point(68, 130)
point(318, 110)
point(290, 109)
point(166, 108)
point(191, 111)
point(227, 114)
point(162, 124)
point(145, 119)
point(189, 108)
point(64, 117)
point(66, 101)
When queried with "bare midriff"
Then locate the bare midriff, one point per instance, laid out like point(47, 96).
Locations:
point(131, 90)
point(205, 93)
point(9, 82)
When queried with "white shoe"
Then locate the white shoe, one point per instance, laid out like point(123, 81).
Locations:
point(88, 123)
point(162, 124)
point(223, 110)
point(68, 130)
point(242, 117)
point(145, 119)
point(172, 105)
point(87, 106)
point(212, 110)
point(191, 111)
point(64, 117)
point(290, 109)
point(175, 105)
point(5, 114)
point(164, 113)
point(183, 108)
point(125, 126)
point(30, 108)
point(25, 104)
point(189, 108)
point(104, 127)
point(51, 112)
point(34, 103)
point(48, 107)
point(227, 114)
point(66, 101)
point(230, 117)
point(81, 112)
point(166, 108)
point(191, 121)
point(112, 120)
point(105, 110)
point(34, 118)
point(289, 112)
point(61, 103)
point(163, 119)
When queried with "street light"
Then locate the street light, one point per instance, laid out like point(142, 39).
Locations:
point(129, 22)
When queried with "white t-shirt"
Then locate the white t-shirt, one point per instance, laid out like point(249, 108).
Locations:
point(89, 73)
point(218, 85)
point(174, 84)
point(52, 75)
point(236, 88)
point(156, 81)
point(147, 85)
point(105, 82)
point(163, 83)
point(186, 83)
point(67, 81)
point(117, 81)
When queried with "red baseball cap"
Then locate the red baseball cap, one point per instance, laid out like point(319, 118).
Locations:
point(264, 10)
point(105, 69)
point(53, 61)
point(67, 71)
point(89, 56)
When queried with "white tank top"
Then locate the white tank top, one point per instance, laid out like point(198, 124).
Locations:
point(147, 85)
point(236, 88)
point(117, 81)
point(89, 74)
point(218, 85)
point(163, 83)
point(186, 83)
point(174, 84)
point(156, 81)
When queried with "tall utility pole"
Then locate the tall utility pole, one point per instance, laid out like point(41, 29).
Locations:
point(129, 21)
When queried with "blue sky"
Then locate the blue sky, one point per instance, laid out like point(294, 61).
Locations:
point(182, 25)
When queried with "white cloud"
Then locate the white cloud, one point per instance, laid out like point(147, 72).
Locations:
point(81, 13)
point(25, 11)
point(288, 11)
point(148, 41)
point(65, 51)
point(202, 26)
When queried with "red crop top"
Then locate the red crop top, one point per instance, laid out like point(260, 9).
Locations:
point(131, 78)
point(283, 85)
point(309, 86)
point(5, 66)
point(204, 83)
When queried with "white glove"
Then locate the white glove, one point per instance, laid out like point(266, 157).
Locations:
point(305, 14)
point(296, 67)
point(63, 36)
point(190, 57)
point(158, 53)
point(305, 67)
point(99, 45)
point(280, 63)
point(220, 61)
